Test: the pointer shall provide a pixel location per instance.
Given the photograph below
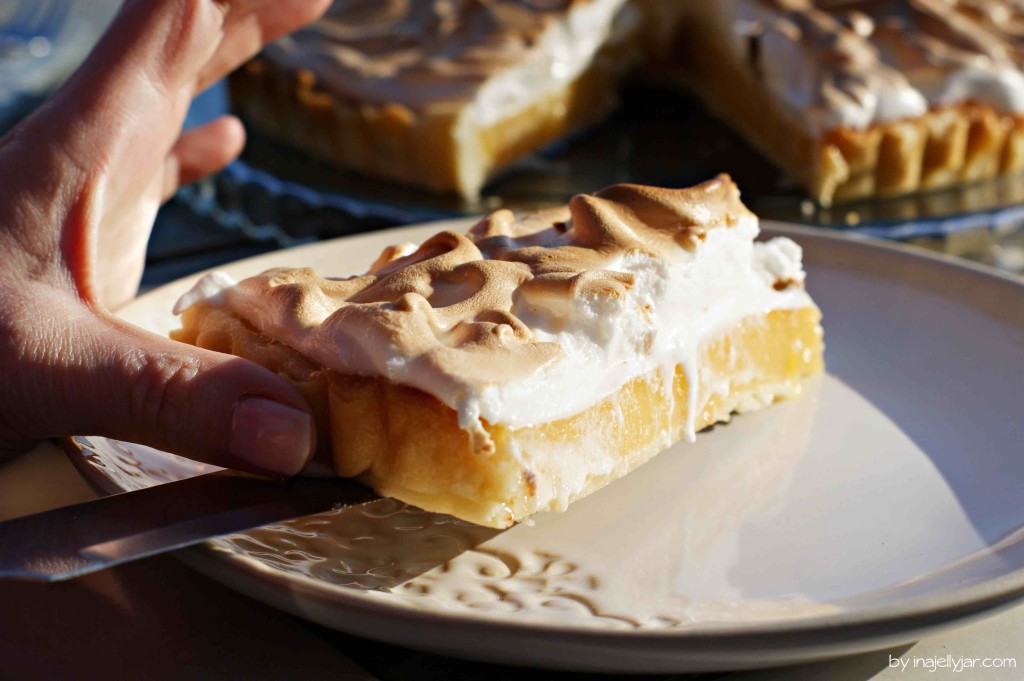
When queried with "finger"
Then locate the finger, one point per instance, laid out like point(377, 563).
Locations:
point(247, 29)
point(202, 151)
point(223, 410)
point(148, 62)
point(131, 94)
point(129, 100)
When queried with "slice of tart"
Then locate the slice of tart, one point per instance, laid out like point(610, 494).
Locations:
point(529, 362)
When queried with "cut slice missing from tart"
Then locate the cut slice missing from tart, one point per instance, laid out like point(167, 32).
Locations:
point(529, 362)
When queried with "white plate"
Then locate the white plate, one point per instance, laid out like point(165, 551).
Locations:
point(882, 506)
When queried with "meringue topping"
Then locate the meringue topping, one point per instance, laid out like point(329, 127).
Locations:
point(944, 52)
point(820, 64)
point(439, 53)
point(529, 320)
point(855, 63)
point(838, 63)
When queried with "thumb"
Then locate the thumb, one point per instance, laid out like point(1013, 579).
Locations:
point(207, 406)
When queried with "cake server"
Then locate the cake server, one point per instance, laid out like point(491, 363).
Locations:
point(83, 538)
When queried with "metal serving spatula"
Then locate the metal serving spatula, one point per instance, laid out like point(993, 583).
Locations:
point(76, 540)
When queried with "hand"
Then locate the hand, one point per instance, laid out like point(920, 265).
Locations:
point(80, 183)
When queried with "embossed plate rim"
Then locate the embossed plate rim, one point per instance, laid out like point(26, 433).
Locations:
point(704, 646)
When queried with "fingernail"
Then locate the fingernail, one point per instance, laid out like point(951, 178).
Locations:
point(270, 436)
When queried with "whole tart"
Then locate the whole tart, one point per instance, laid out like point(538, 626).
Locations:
point(854, 98)
point(529, 362)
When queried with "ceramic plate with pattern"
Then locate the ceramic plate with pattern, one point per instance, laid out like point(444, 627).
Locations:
point(881, 506)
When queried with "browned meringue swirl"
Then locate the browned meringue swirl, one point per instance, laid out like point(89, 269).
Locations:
point(1004, 18)
point(416, 52)
point(915, 33)
point(935, 42)
point(823, 65)
point(453, 306)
